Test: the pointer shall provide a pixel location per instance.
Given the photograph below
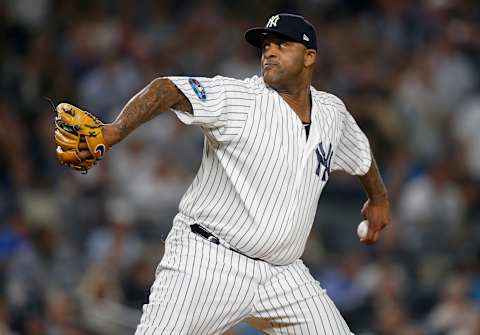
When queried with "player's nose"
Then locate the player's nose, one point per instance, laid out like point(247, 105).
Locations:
point(270, 50)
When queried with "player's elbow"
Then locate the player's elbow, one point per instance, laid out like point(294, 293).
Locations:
point(162, 85)
point(169, 94)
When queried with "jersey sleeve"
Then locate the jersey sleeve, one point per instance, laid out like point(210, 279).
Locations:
point(353, 153)
point(220, 104)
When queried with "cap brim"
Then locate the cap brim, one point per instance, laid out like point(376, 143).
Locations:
point(254, 35)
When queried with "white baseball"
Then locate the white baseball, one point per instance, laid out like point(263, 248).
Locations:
point(362, 229)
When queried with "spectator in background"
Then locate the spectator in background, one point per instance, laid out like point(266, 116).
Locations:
point(14, 160)
point(466, 125)
point(418, 105)
point(136, 284)
point(13, 236)
point(101, 300)
point(107, 87)
point(115, 244)
point(454, 314)
point(392, 319)
point(30, 13)
point(61, 315)
point(44, 263)
point(432, 207)
point(239, 65)
point(344, 283)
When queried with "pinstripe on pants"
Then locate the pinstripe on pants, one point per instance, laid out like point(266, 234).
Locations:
point(203, 288)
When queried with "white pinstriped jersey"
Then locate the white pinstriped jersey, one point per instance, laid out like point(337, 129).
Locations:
point(260, 179)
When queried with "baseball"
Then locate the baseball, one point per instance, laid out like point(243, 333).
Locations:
point(362, 229)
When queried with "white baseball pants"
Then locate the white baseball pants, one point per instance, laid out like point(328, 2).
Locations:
point(202, 288)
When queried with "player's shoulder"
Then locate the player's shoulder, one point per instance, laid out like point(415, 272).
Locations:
point(328, 99)
point(251, 84)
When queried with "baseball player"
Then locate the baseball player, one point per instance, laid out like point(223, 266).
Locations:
point(271, 142)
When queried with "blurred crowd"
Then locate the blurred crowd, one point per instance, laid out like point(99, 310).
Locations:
point(78, 252)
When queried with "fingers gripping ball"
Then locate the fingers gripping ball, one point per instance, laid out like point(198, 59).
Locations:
point(72, 127)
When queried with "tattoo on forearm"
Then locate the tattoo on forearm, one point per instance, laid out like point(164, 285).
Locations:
point(155, 98)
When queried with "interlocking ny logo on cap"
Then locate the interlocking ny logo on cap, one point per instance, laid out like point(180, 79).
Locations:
point(305, 38)
point(272, 22)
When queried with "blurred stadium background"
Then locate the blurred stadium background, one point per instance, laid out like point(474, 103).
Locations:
point(78, 253)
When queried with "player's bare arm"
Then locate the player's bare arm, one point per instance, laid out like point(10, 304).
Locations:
point(377, 208)
point(157, 97)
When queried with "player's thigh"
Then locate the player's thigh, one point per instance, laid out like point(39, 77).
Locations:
point(197, 289)
point(294, 303)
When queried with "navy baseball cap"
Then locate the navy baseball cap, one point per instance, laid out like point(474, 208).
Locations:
point(290, 26)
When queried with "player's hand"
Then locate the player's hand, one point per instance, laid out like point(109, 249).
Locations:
point(110, 135)
point(377, 212)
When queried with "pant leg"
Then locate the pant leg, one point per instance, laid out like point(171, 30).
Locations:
point(291, 301)
point(199, 288)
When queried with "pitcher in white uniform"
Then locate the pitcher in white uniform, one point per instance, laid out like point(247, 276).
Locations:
point(271, 142)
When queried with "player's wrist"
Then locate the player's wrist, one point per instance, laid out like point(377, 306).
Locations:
point(111, 134)
point(379, 198)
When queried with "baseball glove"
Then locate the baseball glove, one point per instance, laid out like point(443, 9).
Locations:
point(73, 127)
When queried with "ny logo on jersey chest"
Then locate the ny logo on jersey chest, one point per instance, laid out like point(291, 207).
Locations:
point(325, 159)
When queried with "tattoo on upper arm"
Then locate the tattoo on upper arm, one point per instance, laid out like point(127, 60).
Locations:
point(157, 97)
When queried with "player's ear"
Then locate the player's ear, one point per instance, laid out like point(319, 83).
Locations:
point(310, 57)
